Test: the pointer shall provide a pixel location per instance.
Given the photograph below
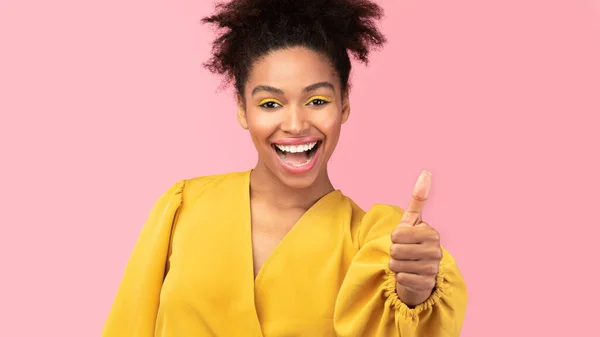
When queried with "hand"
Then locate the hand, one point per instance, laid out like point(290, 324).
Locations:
point(415, 251)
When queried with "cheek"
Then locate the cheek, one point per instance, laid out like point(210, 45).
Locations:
point(330, 124)
point(260, 125)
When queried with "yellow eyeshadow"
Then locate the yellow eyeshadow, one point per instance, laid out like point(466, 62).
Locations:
point(323, 98)
point(267, 100)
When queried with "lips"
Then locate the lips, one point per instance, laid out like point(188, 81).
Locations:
point(297, 155)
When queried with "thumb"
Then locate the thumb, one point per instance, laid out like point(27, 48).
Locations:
point(412, 214)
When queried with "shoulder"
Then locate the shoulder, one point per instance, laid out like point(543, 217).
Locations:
point(214, 180)
point(377, 211)
point(376, 221)
point(377, 214)
point(193, 187)
point(383, 213)
point(380, 220)
point(190, 189)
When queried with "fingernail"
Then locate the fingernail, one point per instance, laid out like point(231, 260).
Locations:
point(423, 182)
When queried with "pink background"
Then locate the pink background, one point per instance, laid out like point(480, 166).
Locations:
point(104, 104)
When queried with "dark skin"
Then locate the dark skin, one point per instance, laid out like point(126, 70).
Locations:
point(285, 97)
point(295, 93)
point(415, 253)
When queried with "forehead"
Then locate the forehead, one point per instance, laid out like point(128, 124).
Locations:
point(291, 69)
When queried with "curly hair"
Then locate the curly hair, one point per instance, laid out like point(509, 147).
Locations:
point(250, 29)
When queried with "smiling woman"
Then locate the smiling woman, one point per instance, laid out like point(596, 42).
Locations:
point(293, 105)
point(276, 250)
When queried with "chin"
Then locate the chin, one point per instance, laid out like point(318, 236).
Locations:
point(298, 182)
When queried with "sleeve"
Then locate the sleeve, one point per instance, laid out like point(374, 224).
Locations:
point(135, 306)
point(367, 303)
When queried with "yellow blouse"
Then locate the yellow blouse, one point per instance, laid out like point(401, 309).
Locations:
point(191, 272)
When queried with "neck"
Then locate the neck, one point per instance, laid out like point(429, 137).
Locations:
point(266, 186)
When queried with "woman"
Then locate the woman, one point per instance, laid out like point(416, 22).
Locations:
point(277, 250)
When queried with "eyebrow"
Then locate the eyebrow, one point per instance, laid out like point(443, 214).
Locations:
point(310, 88)
point(266, 88)
point(319, 85)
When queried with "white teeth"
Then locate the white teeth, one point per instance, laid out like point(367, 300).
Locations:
point(296, 148)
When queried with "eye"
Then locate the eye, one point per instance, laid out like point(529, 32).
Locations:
point(269, 104)
point(316, 101)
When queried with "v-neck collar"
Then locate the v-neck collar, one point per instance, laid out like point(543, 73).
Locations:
point(325, 200)
point(320, 203)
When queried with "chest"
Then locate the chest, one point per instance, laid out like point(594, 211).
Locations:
point(259, 268)
point(268, 228)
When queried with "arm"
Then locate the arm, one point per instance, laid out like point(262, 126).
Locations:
point(135, 306)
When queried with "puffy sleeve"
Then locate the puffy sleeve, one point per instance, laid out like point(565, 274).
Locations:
point(135, 306)
point(367, 303)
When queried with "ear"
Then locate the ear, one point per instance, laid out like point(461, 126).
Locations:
point(345, 106)
point(241, 112)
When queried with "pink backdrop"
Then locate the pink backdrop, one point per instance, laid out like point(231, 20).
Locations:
point(104, 104)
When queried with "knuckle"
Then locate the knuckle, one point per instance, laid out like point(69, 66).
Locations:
point(395, 251)
point(394, 235)
point(436, 254)
point(399, 234)
point(431, 269)
point(401, 278)
point(431, 233)
point(419, 197)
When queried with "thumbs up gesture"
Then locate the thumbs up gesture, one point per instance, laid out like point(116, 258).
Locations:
point(415, 251)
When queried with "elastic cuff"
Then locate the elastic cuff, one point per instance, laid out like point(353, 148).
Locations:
point(392, 299)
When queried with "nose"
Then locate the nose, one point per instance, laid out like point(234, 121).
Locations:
point(295, 121)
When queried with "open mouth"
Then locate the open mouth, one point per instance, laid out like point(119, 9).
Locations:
point(297, 155)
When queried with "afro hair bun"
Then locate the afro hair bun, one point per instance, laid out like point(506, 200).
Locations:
point(249, 29)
